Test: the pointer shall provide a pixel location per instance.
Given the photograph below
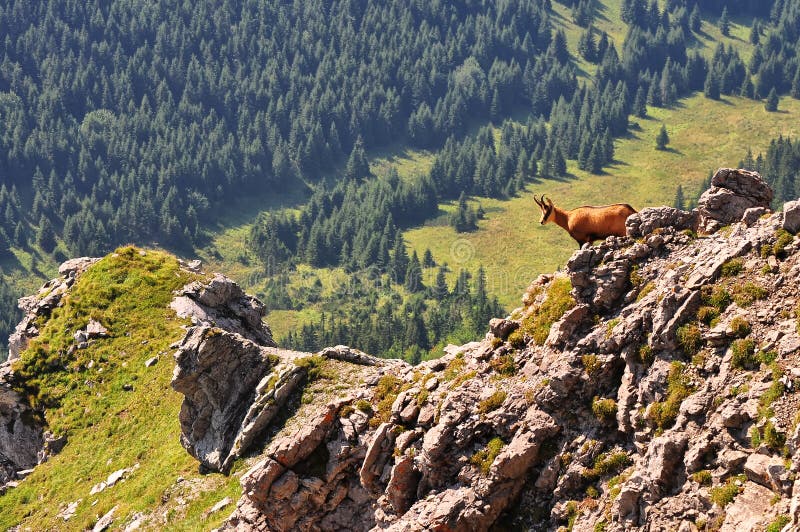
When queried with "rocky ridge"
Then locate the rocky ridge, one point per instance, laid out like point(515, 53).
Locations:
point(650, 386)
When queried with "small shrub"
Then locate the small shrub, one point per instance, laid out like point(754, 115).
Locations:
point(592, 492)
point(386, 391)
point(610, 327)
point(504, 365)
point(707, 314)
point(517, 339)
point(346, 410)
point(315, 368)
point(722, 495)
point(484, 458)
point(558, 301)
point(635, 277)
point(690, 339)
point(591, 363)
point(607, 464)
point(767, 357)
point(646, 289)
point(772, 438)
point(492, 402)
point(454, 367)
point(662, 414)
point(496, 342)
point(461, 379)
point(646, 355)
point(783, 239)
point(364, 405)
point(743, 354)
point(755, 437)
point(600, 526)
point(740, 326)
point(604, 409)
point(702, 477)
point(732, 267)
point(716, 296)
point(778, 523)
point(746, 294)
point(572, 514)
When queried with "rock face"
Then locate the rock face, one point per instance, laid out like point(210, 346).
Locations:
point(221, 302)
point(632, 397)
point(732, 193)
point(24, 442)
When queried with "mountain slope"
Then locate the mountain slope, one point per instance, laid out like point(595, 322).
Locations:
point(650, 385)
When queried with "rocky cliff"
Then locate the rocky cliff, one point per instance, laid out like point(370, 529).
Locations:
point(652, 385)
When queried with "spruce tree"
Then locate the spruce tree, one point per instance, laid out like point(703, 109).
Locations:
point(662, 139)
point(413, 282)
point(711, 86)
point(695, 21)
point(724, 22)
point(771, 104)
point(640, 103)
point(679, 202)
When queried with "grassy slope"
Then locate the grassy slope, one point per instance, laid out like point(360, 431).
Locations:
point(108, 428)
point(514, 248)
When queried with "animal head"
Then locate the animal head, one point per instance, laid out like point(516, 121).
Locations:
point(546, 205)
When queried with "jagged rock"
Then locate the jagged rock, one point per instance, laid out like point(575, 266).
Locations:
point(748, 509)
point(220, 302)
point(752, 215)
point(649, 219)
point(501, 328)
point(21, 433)
point(348, 354)
point(732, 192)
point(768, 472)
point(402, 488)
point(75, 267)
point(378, 453)
point(232, 388)
point(791, 216)
point(105, 521)
point(661, 461)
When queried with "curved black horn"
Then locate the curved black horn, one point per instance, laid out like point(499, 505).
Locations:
point(542, 200)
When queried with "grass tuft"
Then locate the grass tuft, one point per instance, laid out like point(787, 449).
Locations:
point(484, 458)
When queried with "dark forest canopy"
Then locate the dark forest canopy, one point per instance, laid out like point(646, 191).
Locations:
point(131, 120)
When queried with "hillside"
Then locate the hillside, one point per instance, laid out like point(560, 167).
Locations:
point(166, 154)
point(652, 384)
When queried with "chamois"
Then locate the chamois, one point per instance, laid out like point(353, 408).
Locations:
point(587, 224)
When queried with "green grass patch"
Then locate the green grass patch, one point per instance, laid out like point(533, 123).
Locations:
point(504, 365)
point(732, 267)
point(748, 293)
point(743, 354)
point(604, 409)
point(484, 458)
point(607, 464)
point(109, 428)
point(386, 391)
point(740, 326)
point(662, 415)
point(723, 495)
point(702, 477)
point(690, 339)
point(591, 363)
point(493, 402)
point(558, 301)
point(777, 524)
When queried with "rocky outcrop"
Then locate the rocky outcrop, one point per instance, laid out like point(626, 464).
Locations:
point(637, 397)
point(41, 304)
point(221, 303)
point(732, 193)
point(24, 440)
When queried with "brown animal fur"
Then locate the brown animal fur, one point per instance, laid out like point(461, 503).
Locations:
point(587, 224)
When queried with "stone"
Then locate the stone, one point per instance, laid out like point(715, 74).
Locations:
point(791, 216)
point(732, 193)
point(748, 509)
point(649, 219)
point(150, 362)
point(105, 521)
point(752, 215)
point(501, 328)
point(402, 488)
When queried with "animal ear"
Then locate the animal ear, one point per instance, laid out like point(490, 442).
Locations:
point(550, 202)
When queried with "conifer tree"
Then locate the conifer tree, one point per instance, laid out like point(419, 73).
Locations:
point(679, 202)
point(771, 104)
point(662, 139)
point(711, 86)
point(724, 22)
